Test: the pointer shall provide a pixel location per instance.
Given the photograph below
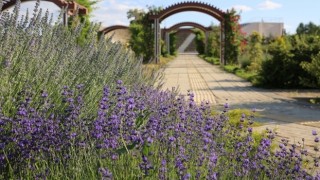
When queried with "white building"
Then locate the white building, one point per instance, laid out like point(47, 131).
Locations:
point(267, 29)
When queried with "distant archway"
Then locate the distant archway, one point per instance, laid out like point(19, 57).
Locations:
point(71, 5)
point(192, 24)
point(166, 32)
point(182, 7)
point(112, 28)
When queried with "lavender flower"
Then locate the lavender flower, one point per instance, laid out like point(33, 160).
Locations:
point(186, 137)
point(314, 132)
point(226, 105)
point(187, 176)
point(145, 165)
point(105, 173)
point(163, 170)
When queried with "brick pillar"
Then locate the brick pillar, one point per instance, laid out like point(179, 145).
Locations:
point(222, 43)
point(167, 36)
point(157, 39)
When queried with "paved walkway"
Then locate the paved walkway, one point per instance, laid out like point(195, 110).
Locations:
point(281, 110)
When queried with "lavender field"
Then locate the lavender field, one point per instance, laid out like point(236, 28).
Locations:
point(90, 111)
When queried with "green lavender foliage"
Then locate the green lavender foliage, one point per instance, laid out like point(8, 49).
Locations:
point(38, 55)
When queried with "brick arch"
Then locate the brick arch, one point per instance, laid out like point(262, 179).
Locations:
point(183, 7)
point(72, 5)
point(112, 28)
point(192, 24)
point(190, 6)
point(166, 32)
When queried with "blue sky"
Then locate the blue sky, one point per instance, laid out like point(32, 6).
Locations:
point(290, 12)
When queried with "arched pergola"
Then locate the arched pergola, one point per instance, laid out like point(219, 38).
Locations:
point(182, 7)
point(72, 7)
point(166, 32)
point(112, 28)
point(192, 24)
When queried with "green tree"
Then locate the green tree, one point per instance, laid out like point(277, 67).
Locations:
point(233, 37)
point(164, 50)
point(142, 35)
point(309, 28)
point(277, 71)
point(173, 43)
point(291, 58)
point(213, 42)
point(305, 48)
point(313, 67)
point(255, 51)
point(200, 40)
point(135, 15)
point(89, 4)
point(84, 20)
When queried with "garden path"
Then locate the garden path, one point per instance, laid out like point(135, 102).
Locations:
point(282, 110)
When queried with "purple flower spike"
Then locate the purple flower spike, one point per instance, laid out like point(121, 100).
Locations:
point(187, 176)
point(316, 139)
point(213, 158)
point(171, 139)
point(2, 145)
point(314, 132)
point(163, 162)
point(213, 176)
point(44, 95)
point(163, 170)
point(149, 140)
point(80, 86)
point(243, 115)
point(226, 105)
point(254, 110)
point(105, 173)
point(119, 82)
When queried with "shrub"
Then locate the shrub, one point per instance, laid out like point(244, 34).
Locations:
point(142, 133)
point(310, 28)
point(213, 42)
point(142, 33)
point(234, 37)
point(39, 56)
point(313, 67)
point(138, 132)
point(284, 69)
point(173, 43)
point(255, 51)
point(213, 60)
point(200, 38)
point(244, 61)
point(278, 71)
point(164, 50)
point(305, 49)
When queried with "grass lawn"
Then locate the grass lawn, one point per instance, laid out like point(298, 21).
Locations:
point(161, 64)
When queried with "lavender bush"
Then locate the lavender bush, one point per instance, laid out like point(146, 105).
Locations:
point(51, 131)
point(142, 133)
point(39, 55)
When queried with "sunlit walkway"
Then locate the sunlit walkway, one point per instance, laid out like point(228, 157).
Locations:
point(292, 118)
point(208, 82)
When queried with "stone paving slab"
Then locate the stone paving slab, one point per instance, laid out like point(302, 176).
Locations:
point(294, 133)
point(279, 108)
